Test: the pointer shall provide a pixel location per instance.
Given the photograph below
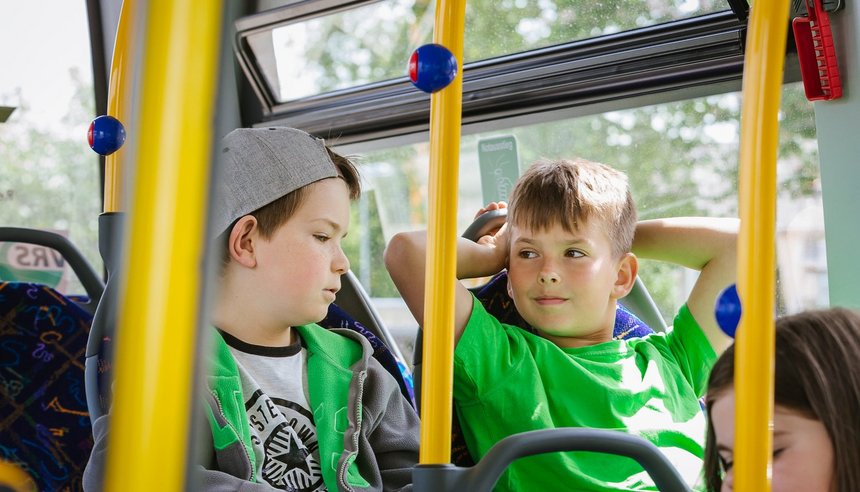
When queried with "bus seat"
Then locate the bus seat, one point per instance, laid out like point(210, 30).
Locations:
point(90, 280)
point(338, 318)
point(43, 410)
point(43, 335)
point(353, 299)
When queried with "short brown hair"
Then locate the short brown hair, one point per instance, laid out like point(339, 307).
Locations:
point(572, 191)
point(817, 375)
point(274, 214)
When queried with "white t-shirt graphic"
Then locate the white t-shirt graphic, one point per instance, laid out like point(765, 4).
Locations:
point(283, 433)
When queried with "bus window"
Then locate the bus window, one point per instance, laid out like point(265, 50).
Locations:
point(50, 177)
point(299, 57)
point(681, 158)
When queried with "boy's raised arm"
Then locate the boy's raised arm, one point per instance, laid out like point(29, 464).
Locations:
point(405, 259)
point(701, 243)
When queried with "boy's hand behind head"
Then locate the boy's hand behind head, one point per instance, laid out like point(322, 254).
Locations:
point(490, 207)
point(499, 240)
point(493, 233)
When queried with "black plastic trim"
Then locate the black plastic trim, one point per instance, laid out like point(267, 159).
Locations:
point(90, 280)
point(265, 21)
point(692, 52)
point(100, 71)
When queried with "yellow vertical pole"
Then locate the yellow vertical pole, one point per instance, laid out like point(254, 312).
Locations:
point(119, 101)
point(754, 356)
point(15, 479)
point(159, 302)
point(445, 117)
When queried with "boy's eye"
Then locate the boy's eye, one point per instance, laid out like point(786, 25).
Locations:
point(725, 464)
point(574, 253)
point(527, 254)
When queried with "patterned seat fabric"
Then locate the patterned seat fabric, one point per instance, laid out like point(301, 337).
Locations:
point(338, 318)
point(43, 410)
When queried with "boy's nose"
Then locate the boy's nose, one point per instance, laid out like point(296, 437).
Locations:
point(341, 262)
point(549, 278)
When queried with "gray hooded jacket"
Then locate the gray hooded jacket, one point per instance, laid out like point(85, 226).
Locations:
point(366, 429)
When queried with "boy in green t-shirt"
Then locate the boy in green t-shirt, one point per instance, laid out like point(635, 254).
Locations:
point(569, 249)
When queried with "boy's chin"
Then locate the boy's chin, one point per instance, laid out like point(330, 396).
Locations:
point(574, 337)
point(557, 328)
point(560, 332)
point(312, 318)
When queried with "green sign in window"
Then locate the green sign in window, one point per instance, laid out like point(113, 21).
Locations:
point(500, 167)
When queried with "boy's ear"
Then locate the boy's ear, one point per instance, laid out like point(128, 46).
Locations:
point(242, 240)
point(628, 268)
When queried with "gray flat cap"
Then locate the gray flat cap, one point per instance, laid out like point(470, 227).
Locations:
point(260, 165)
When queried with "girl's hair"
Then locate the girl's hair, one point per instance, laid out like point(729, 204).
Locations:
point(817, 375)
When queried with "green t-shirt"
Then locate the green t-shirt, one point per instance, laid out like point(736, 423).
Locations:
point(507, 380)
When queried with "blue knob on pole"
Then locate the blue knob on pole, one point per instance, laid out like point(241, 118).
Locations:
point(106, 135)
point(432, 67)
point(728, 310)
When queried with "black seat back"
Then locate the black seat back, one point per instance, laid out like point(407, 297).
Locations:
point(43, 334)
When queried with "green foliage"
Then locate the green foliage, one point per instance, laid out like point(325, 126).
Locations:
point(374, 42)
point(50, 177)
point(365, 245)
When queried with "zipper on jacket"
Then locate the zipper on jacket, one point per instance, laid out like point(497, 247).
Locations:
point(238, 434)
point(355, 436)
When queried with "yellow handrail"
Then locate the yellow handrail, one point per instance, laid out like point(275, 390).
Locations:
point(15, 479)
point(157, 320)
point(445, 118)
point(754, 355)
point(119, 101)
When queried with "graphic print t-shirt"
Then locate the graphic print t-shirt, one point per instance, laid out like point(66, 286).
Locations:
point(283, 434)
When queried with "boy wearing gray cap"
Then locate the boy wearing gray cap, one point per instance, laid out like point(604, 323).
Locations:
point(292, 406)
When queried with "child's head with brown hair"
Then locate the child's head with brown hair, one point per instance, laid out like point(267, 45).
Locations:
point(275, 213)
point(281, 211)
point(571, 192)
point(816, 406)
point(571, 229)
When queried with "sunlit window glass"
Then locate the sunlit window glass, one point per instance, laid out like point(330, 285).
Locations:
point(50, 177)
point(372, 43)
